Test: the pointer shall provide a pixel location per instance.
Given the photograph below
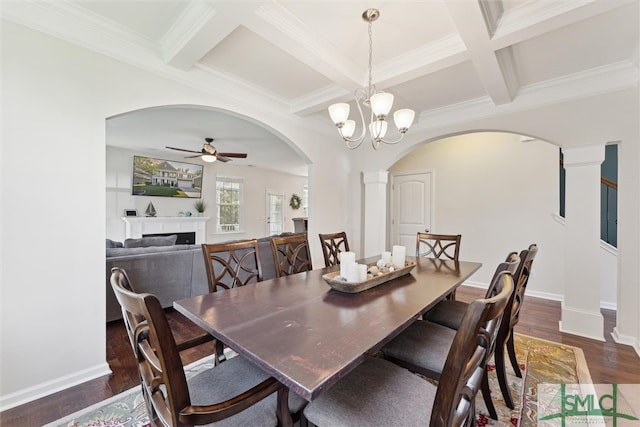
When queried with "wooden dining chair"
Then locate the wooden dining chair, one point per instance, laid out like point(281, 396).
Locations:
point(236, 391)
point(131, 321)
point(381, 393)
point(439, 246)
point(230, 265)
point(449, 314)
point(332, 244)
point(291, 254)
point(423, 347)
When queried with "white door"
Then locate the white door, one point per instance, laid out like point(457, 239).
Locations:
point(411, 210)
point(275, 213)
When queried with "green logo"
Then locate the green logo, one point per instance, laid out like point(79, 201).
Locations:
point(576, 404)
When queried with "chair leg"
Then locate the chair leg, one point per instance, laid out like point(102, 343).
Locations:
point(512, 355)
point(486, 394)
point(502, 376)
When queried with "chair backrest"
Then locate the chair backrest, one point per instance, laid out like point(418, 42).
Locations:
point(131, 320)
point(230, 265)
point(511, 265)
point(291, 254)
point(463, 370)
point(521, 279)
point(332, 244)
point(155, 349)
point(441, 246)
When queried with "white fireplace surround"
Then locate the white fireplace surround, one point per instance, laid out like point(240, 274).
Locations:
point(136, 227)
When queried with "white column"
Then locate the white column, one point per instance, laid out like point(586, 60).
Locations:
point(375, 212)
point(581, 307)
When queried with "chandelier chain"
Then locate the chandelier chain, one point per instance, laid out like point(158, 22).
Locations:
point(370, 59)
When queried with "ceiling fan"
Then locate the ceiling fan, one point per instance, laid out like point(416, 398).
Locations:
point(210, 154)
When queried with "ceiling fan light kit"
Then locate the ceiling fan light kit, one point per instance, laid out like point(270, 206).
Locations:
point(209, 154)
point(378, 102)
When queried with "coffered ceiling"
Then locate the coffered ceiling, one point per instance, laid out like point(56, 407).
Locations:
point(438, 57)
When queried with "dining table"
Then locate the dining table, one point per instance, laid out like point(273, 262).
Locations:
point(308, 335)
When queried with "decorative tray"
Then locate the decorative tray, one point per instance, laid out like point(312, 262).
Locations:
point(334, 280)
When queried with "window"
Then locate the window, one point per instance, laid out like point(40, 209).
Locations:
point(228, 204)
point(609, 196)
point(305, 200)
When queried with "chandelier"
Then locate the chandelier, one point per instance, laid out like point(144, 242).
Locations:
point(379, 104)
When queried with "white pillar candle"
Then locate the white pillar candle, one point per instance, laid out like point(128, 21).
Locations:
point(347, 257)
point(362, 272)
point(386, 257)
point(352, 272)
point(398, 256)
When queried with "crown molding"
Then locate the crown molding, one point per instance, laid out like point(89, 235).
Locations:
point(195, 16)
point(594, 82)
point(74, 24)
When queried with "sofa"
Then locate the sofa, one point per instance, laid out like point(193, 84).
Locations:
point(171, 272)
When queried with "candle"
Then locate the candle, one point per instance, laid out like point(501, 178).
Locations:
point(398, 256)
point(353, 274)
point(362, 272)
point(346, 258)
point(386, 257)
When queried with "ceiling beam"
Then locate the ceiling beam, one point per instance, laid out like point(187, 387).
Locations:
point(494, 71)
point(198, 30)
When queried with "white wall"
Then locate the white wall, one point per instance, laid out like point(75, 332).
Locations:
point(256, 182)
point(487, 188)
point(56, 98)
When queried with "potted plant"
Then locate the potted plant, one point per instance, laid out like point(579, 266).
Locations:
point(200, 206)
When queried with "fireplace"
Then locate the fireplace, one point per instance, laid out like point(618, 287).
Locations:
point(188, 238)
point(137, 227)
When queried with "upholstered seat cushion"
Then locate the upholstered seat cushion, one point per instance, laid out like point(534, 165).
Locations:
point(231, 378)
point(376, 393)
point(424, 344)
point(448, 313)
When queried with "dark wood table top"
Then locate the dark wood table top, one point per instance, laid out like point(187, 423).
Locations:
point(306, 334)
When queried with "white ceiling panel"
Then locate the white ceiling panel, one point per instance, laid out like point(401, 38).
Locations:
point(247, 56)
point(594, 42)
point(428, 92)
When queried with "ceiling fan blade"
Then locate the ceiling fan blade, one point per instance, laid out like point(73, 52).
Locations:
point(193, 157)
point(182, 149)
point(221, 158)
point(236, 155)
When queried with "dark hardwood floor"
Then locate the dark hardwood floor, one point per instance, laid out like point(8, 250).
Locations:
point(609, 363)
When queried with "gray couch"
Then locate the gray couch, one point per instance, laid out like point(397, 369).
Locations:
point(171, 272)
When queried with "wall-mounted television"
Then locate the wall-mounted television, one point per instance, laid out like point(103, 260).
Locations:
point(166, 178)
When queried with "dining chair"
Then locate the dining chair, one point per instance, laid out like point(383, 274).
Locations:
point(232, 393)
point(426, 354)
point(380, 393)
point(291, 254)
point(439, 246)
point(449, 314)
point(230, 265)
point(332, 244)
point(423, 346)
point(131, 320)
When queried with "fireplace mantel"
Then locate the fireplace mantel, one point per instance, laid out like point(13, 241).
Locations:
point(137, 226)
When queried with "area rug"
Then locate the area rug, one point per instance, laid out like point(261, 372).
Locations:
point(541, 362)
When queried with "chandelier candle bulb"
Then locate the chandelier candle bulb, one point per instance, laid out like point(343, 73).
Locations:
point(398, 255)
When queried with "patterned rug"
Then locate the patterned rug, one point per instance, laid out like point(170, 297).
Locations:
point(542, 362)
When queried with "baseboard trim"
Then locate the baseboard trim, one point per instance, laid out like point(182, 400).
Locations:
point(544, 295)
point(582, 323)
point(49, 387)
point(626, 340)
